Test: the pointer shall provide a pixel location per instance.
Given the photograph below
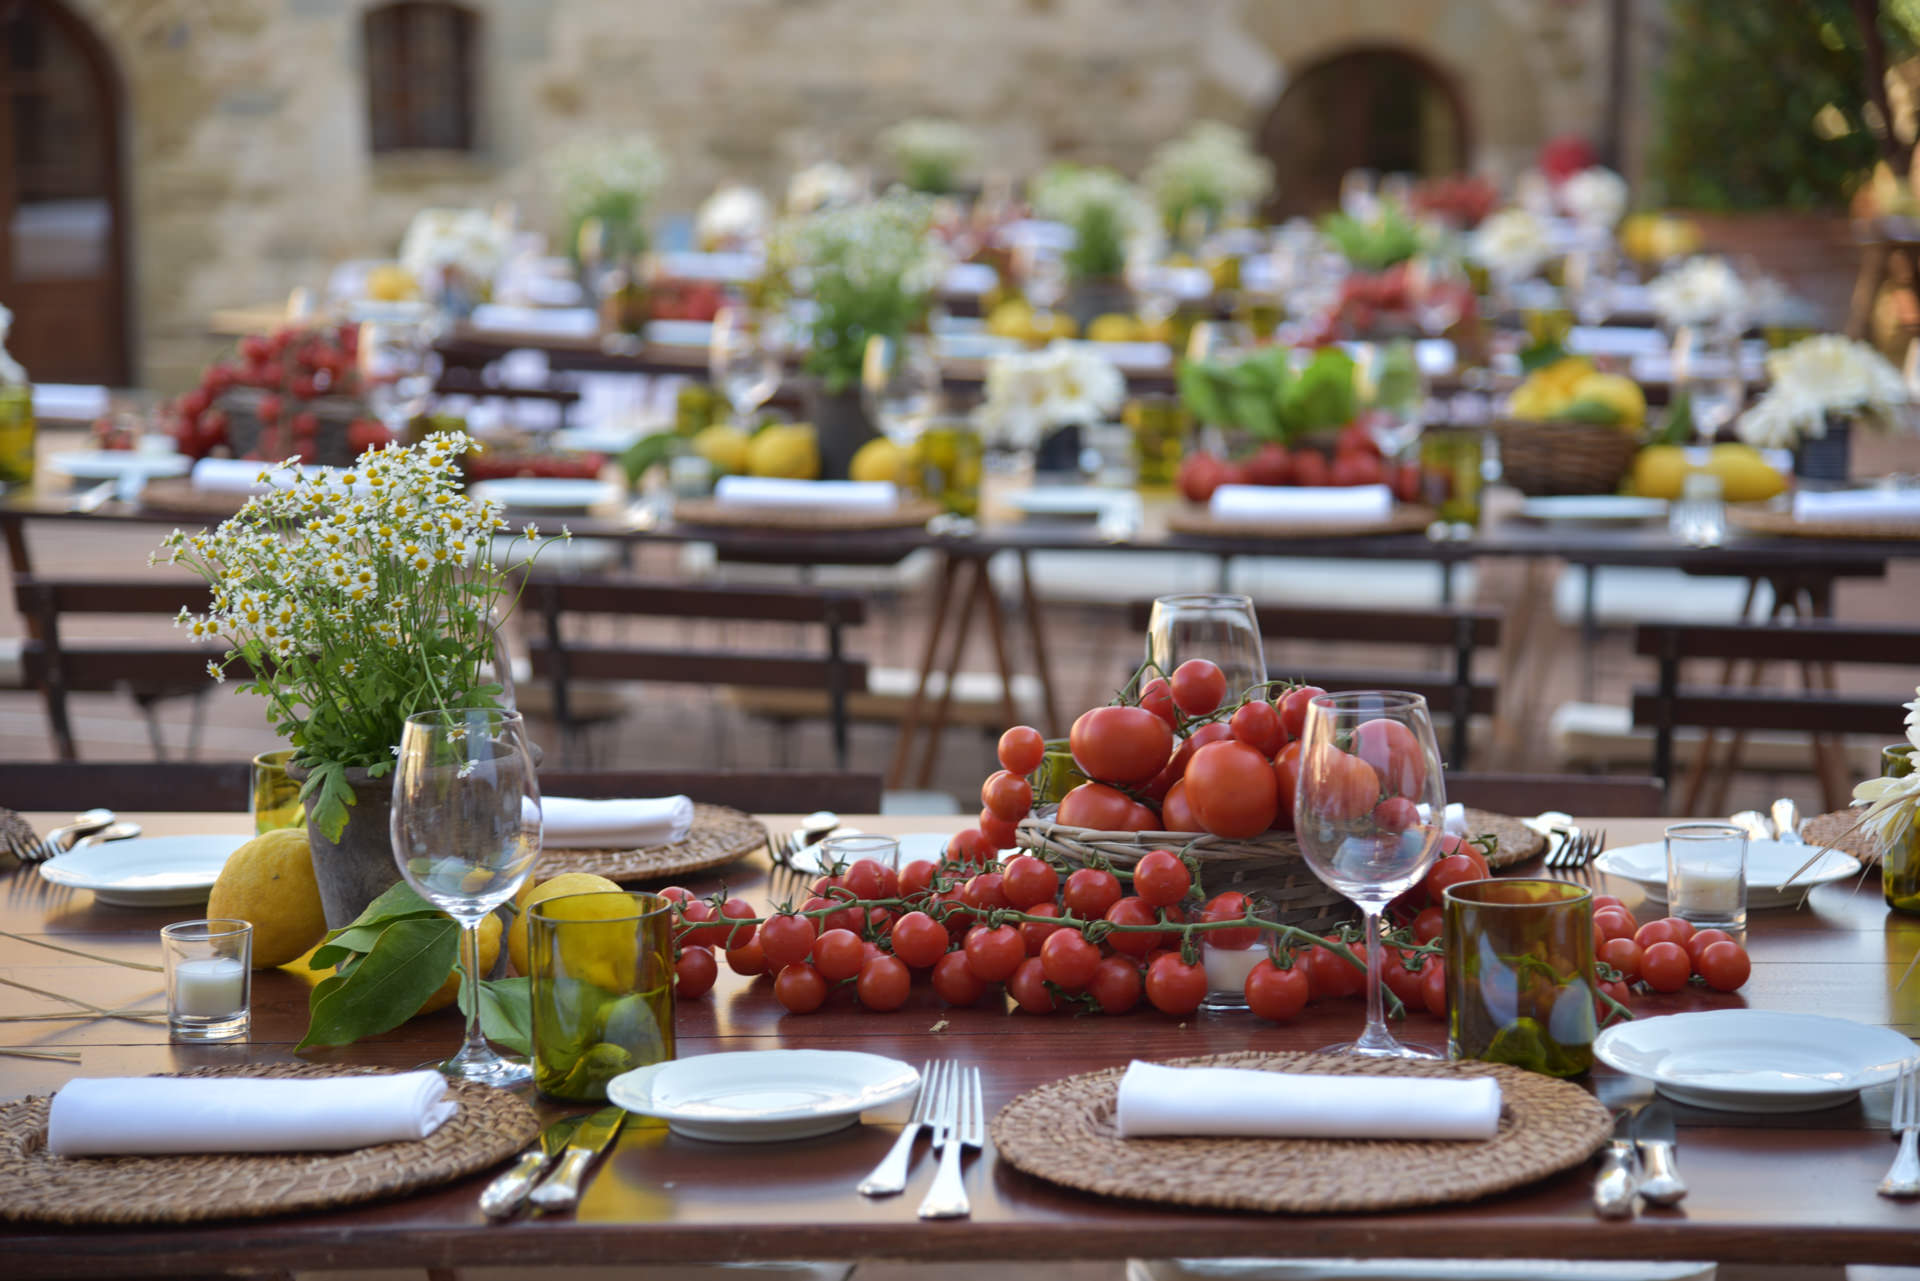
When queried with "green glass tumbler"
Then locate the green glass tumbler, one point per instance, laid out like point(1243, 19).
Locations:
point(1520, 985)
point(1900, 862)
point(602, 989)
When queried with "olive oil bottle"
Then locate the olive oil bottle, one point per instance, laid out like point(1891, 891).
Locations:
point(16, 416)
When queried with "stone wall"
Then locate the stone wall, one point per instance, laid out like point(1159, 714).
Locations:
point(249, 171)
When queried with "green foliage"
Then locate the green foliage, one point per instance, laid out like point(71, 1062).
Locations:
point(1764, 105)
point(387, 962)
point(1263, 395)
point(1391, 237)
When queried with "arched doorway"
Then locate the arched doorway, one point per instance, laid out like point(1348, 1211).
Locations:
point(63, 262)
point(1377, 107)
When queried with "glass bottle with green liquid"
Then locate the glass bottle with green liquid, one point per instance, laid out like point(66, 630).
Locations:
point(1900, 861)
point(16, 416)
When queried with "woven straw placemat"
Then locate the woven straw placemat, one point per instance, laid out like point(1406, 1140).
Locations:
point(1198, 520)
point(719, 836)
point(37, 1186)
point(1514, 841)
point(911, 513)
point(1837, 831)
point(1063, 1132)
point(1761, 520)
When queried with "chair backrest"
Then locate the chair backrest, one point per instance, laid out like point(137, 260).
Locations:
point(1581, 794)
point(1810, 644)
point(1461, 631)
point(57, 668)
point(561, 659)
point(175, 786)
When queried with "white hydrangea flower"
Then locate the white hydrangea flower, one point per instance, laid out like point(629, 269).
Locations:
point(465, 240)
point(1818, 376)
point(732, 217)
point(1030, 393)
point(1512, 243)
point(1700, 291)
point(1595, 197)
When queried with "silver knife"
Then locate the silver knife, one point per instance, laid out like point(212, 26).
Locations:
point(559, 1190)
point(505, 1194)
point(1618, 1182)
point(1662, 1184)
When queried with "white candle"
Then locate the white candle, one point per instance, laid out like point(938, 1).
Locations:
point(1709, 892)
point(213, 987)
point(1227, 968)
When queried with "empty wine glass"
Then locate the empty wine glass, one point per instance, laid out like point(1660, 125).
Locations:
point(1440, 291)
point(1368, 811)
point(1044, 277)
point(746, 355)
point(466, 832)
point(396, 360)
point(900, 385)
point(1221, 628)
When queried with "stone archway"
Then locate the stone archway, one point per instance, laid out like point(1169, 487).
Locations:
point(1382, 107)
point(63, 217)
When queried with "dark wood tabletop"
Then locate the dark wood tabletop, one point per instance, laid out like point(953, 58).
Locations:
point(1783, 1189)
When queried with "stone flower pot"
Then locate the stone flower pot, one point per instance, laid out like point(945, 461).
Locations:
point(359, 867)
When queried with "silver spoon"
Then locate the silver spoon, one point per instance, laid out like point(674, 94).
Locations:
point(1786, 821)
point(120, 831)
point(1754, 823)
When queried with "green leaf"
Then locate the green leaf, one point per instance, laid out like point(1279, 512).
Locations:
point(400, 902)
point(408, 963)
point(1597, 412)
point(1541, 354)
point(1323, 396)
point(506, 1012)
point(1677, 428)
point(1198, 392)
point(647, 452)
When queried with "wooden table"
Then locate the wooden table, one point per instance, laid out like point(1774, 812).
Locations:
point(1793, 1189)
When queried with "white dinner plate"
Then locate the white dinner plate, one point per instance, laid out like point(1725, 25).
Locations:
point(1755, 1060)
point(112, 464)
point(146, 871)
point(764, 1096)
point(1610, 508)
point(1768, 864)
point(1065, 502)
point(537, 493)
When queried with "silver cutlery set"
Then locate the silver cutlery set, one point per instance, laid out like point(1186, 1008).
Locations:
point(90, 828)
point(950, 1106)
point(1638, 1161)
point(575, 1142)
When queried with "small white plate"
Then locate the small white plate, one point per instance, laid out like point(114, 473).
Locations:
point(536, 493)
point(1768, 863)
point(1065, 502)
point(1609, 508)
point(597, 440)
point(112, 464)
point(764, 1096)
point(1755, 1060)
point(146, 871)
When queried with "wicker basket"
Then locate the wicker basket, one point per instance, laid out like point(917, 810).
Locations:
point(1269, 866)
point(1544, 458)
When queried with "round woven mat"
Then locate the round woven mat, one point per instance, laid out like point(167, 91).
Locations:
point(180, 496)
point(911, 513)
point(1760, 520)
point(719, 836)
point(1404, 520)
point(37, 1186)
point(1837, 831)
point(1514, 841)
point(1063, 1132)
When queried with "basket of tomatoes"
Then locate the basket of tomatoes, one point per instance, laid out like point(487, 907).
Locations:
point(1174, 764)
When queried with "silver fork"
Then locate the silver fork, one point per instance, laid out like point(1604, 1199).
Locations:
point(962, 1126)
point(890, 1176)
point(1560, 856)
point(57, 841)
point(1904, 1178)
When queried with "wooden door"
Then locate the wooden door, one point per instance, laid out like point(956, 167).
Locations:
point(62, 217)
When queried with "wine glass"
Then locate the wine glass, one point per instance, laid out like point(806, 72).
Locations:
point(466, 831)
point(1220, 628)
point(1369, 810)
point(900, 385)
point(746, 354)
point(396, 360)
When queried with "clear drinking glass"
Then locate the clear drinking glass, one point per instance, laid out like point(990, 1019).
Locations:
point(1707, 875)
point(1221, 628)
point(845, 851)
point(746, 354)
point(466, 831)
point(209, 979)
point(900, 385)
point(1368, 811)
point(396, 360)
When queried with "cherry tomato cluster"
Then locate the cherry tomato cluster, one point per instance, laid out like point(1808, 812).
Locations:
point(293, 367)
point(1356, 460)
point(1665, 955)
point(1078, 941)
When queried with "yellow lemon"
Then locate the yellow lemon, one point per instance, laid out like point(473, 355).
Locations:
point(390, 282)
point(1010, 319)
point(1617, 392)
point(603, 955)
point(1115, 328)
point(1744, 475)
point(1660, 471)
point(786, 449)
point(489, 953)
point(565, 883)
point(879, 459)
point(269, 881)
point(725, 446)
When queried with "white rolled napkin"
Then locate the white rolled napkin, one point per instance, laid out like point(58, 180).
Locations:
point(1302, 505)
point(565, 322)
point(834, 495)
point(1157, 1100)
point(570, 824)
point(128, 1116)
point(1859, 505)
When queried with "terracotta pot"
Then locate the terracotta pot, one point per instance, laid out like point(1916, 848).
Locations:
point(359, 867)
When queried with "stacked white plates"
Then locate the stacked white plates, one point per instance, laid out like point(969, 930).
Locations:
point(149, 871)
